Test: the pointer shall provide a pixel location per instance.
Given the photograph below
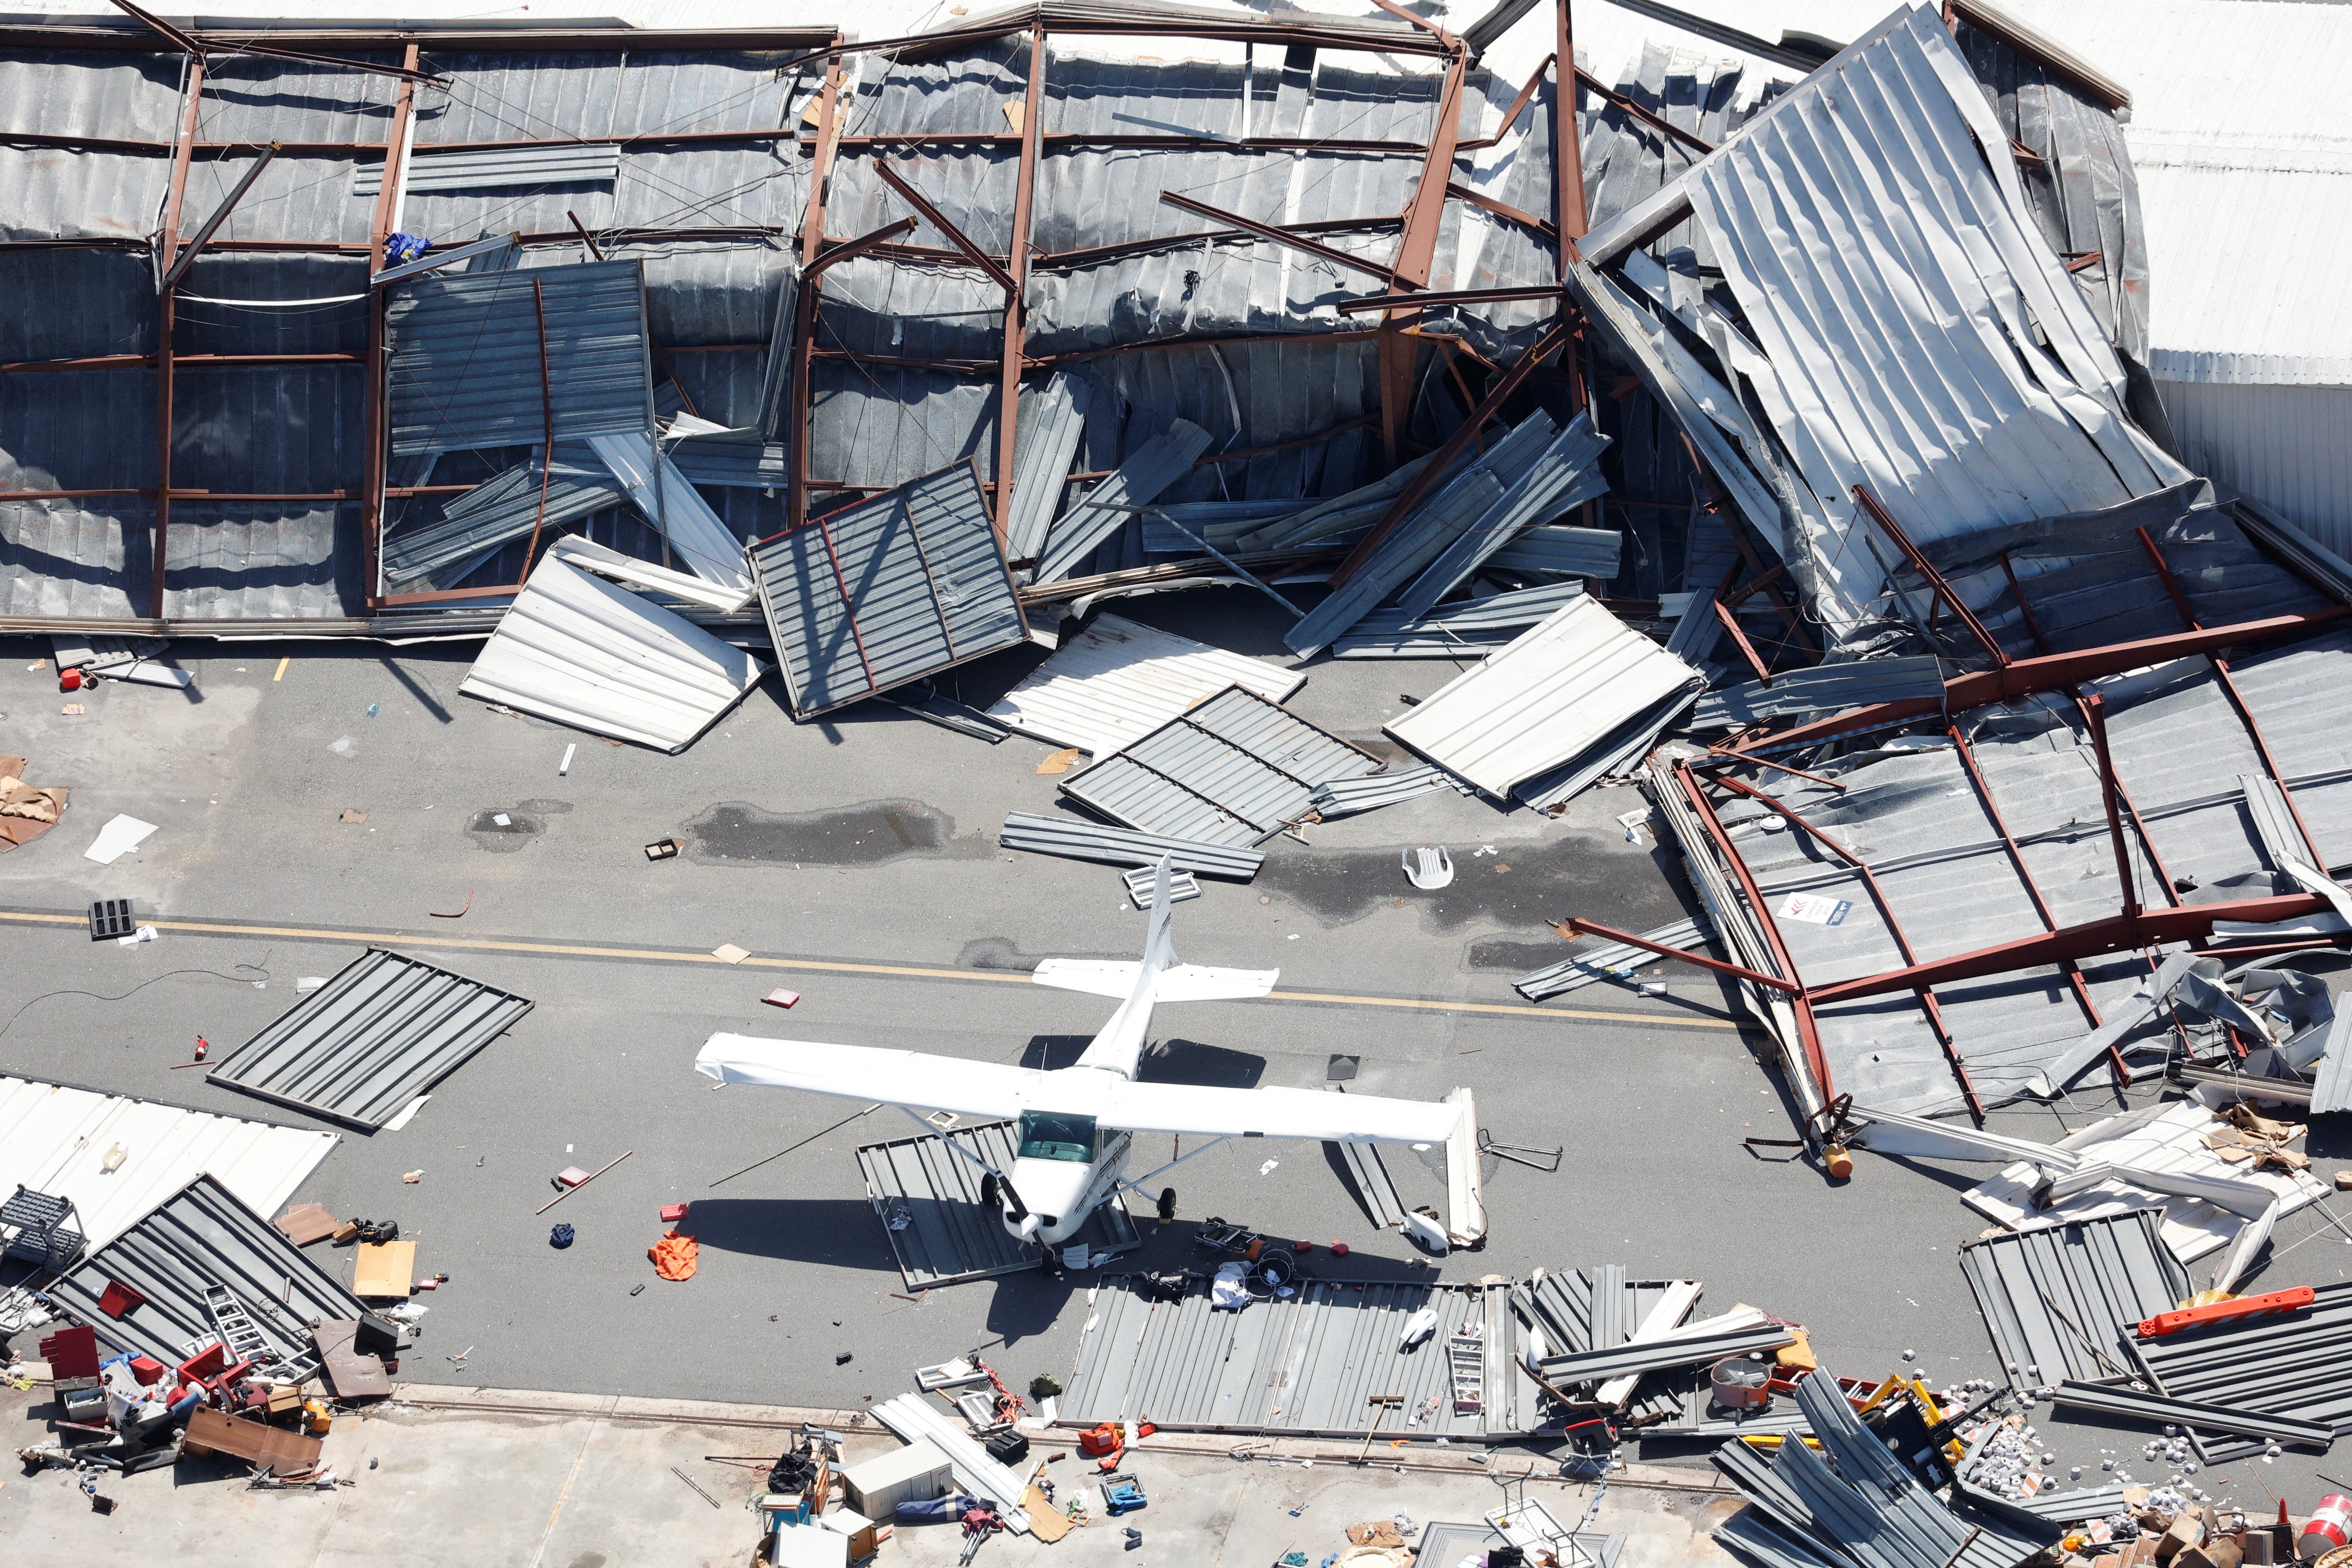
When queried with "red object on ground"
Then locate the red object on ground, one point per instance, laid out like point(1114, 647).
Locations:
point(147, 1370)
point(780, 998)
point(674, 1255)
point(2330, 1527)
point(673, 1212)
point(69, 681)
point(1303, 1248)
point(120, 1298)
point(2165, 1323)
point(1145, 1428)
point(205, 1365)
point(71, 1352)
point(1338, 1249)
point(203, 1046)
point(1097, 1441)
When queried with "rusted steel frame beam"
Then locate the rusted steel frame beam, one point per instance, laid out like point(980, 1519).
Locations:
point(1942, 590)
point(1057, 140)
point(2051, 672)
point(848, 604)
point(2094, 714)
point(1721, 758)
point(1747, 649)
point(1927, 1002)
point(1016, 299)
point(955, 236)
point(646, 138)
point(1365, 307)
point(448, 596)
point(2073, 973)
point(1809, 1039)
point(2116, 933)
point(985, 369)
point(197, 48)
point(375, 447)
point(1280, 235)
point(844, 250)
point(1682, 955)
point(1238, 30)
point(167, 259)
point(1180, 345)
point(187, 494)
point(2237, 699)
point(2016, 593)
point(535, 42)
point(1093, 255)
point(1426, 480)
point(1519, 106)
point(1569, 211)
point(205, 231)
point(804, 298)
point(1502, 210)
point(1416, 252)
point(1610, 95)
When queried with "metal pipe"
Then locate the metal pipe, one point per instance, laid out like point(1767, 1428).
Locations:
point(1683, 955)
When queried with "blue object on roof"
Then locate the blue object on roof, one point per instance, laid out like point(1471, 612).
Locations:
point(399, 249)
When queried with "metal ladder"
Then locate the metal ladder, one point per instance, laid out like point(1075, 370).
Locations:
point(246, 1341)
point(1465, 1356)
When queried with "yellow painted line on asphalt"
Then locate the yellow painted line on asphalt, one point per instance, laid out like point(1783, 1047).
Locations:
point(836, 966)
point(281, 667)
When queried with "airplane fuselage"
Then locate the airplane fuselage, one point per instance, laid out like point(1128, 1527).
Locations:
point(1049, 1197)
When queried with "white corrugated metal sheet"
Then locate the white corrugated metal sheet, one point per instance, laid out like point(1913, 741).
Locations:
point(1561, 690)
point(1117, 682)
point(2289, 447)
point(585, 653)
point(1923, 338)
point(57, 1139)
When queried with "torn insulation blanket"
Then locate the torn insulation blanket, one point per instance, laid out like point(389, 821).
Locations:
point(599, 658)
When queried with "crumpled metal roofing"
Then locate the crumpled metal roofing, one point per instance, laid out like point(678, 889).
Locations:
point(507, 507)
point(1611, 960)
point(1149, 470)
point(1119, 679)
point(1558, 695)
point(1822, 689)
point(886, 592)
point(1467, 628)
point(1077, 839)
point(2059, 1300)
point(585, 653)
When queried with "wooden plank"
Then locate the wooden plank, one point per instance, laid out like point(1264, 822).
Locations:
point(386, 1268)
point(306, 1223)
point(284, 1452)
point(351, 1374)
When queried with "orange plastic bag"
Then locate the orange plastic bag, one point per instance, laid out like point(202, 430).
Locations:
point(674, 1255)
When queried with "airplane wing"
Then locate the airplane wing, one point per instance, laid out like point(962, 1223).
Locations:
point(1275, 1114)
point(862, 1072)
point(1185, 983)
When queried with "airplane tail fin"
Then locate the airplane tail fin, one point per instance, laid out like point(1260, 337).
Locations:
point(1162, 976)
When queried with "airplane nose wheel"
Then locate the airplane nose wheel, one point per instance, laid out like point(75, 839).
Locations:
point(1167, 1205)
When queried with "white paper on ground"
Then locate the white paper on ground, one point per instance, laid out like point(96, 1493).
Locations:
point(1813, 907)
point(401, 1120)
point(121, 836)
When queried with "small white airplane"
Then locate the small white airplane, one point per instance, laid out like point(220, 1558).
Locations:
point(1077, 1124)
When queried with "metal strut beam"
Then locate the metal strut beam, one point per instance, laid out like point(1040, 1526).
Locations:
point(1016, 301)
point(1281, 236)
point(804, 300)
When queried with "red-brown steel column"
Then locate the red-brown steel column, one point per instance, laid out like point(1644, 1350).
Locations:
point(167, 251)
point(1016, 303)
point(374, 451)
point(1415, 253)
point(803, 338)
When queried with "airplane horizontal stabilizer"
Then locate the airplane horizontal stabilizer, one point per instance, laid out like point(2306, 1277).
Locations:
point(1185, 983)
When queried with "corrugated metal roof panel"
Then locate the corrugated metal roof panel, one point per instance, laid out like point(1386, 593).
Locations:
point(55, 1138)
point(1468, 627)
point(951, 1233)
point(1822, 689)
point(1565, 475)
point(1149, 470)
point(1561, 690)
point(1046, 437)
point(583, 653)
point(1593, 552)
point(203, 1236)
point(1347, 796)
point(508, 507)
point(1232, 770)
point(279, 560)
point(254, 98)
point(877, 595)
point(1077, 839)
point(92, 92)
point(1118, 680)
point(55, 192)
point(465, 369)
point(2059, 1300)
point(749, 465)
point(71, 558)
point(383, 1030)
point(1611, 960)
point(699, 537)
point(502, 168)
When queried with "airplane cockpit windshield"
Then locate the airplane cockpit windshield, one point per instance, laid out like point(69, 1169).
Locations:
point(1046, 1135)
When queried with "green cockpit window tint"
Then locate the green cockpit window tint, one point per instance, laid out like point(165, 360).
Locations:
point(1046, 1136)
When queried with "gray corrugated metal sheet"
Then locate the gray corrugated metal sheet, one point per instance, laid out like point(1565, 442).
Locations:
point(1473, 628)
point(463, 368)
point(1182, 528)
point(585, 653)
point(2292, 1363)
point(1601, 1364)
point(1596, 552)
point(1825, 688)
point(949, 1234)
point(1418, 539)
point(1612, 959)
point(887, 592)
point(1574, 692)
point(2331, 1084)
point(2153, 1410)
point(1076, 838)
point(1150, 469)
point(1346, 797)
point(1564, 475)
point(565, 164)
point(1369, 1174)
point(383, 1030)
point(1300, 1367)
point(698, 536)
point(203, 1236)
point(751, 464)
point(1232, 769)
point(2059, 1300)
point(508, 507)
point(1052, 418)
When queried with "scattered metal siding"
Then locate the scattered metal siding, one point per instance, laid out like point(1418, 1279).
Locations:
point(1136, 481)
point(1823, 689)
point(1232, 771)
point(1347, 796)
point(950, 1235)
point(1418, 539)
point(1604, 1362)
point(2045, 1293)
point(202, 1237)
point(1180, 527)
point(464, 367)
point(54, 1139)
point(1118, 680)
point(1595, 553)
point(2331, 1088)
point(384, 1029)
point(746, 465)
point(2004, 438)
point(1076, 838)
point(1297, 1368)
point(2154, 1410)
point(1559, 692)
point(583, 653)
point(1564, 475)
point(508, 507)
point(2287, 447)
point(2295, 1365)
point(567, 164)
point(698, 536)
point(1369, 1174)
point(896, 588)
point(1611, 960)
point(1755, 1538)
point(1473, 627)
point(1052, 418)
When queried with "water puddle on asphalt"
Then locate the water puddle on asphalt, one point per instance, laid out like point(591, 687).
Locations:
point(502, 830)
point(738, 833)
